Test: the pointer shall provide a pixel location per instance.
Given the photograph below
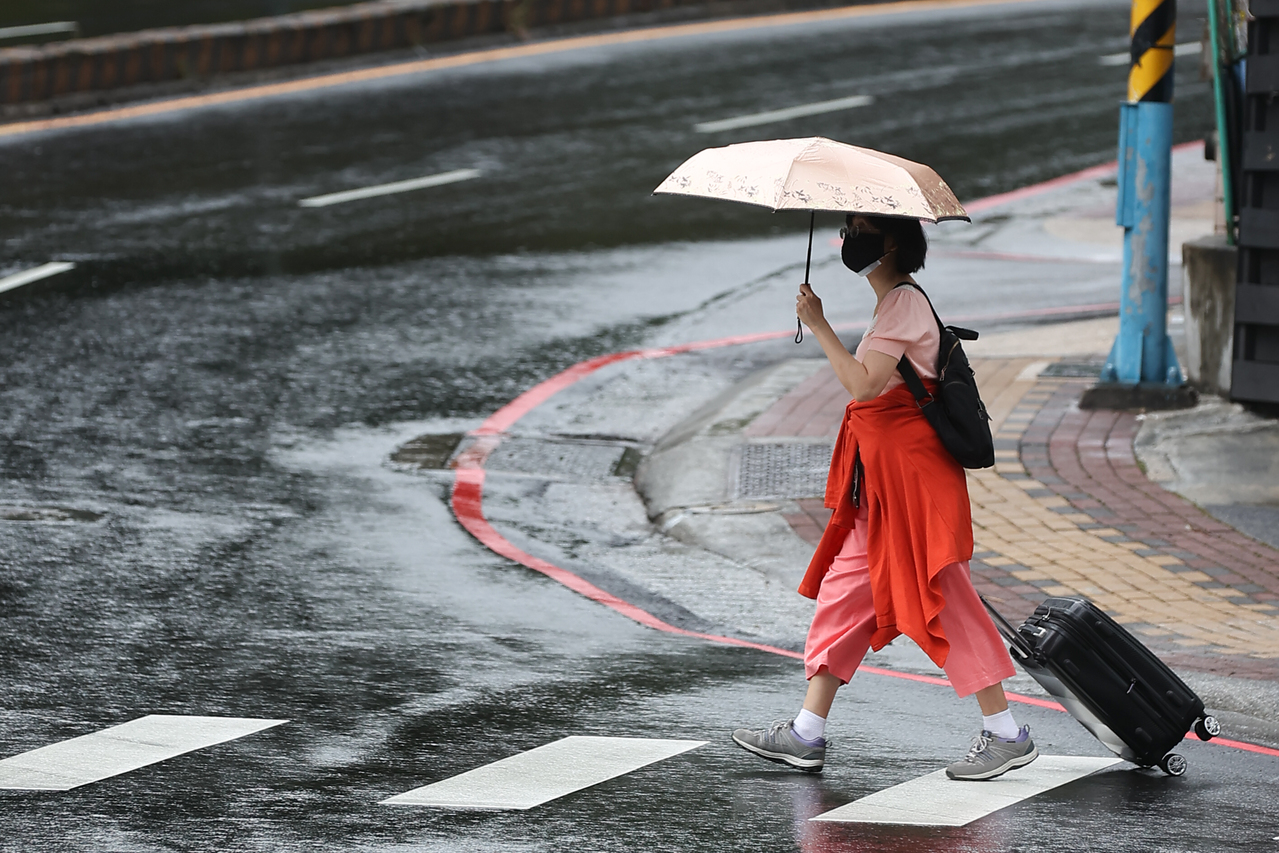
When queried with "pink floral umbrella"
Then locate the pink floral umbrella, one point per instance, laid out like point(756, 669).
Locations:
point(815, 174)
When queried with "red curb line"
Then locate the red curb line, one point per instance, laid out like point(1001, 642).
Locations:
point(468, 490)
point(1082, 175)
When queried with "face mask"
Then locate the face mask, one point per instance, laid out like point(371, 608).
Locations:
point(863, 252)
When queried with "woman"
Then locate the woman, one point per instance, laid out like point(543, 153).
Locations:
point(894, 557)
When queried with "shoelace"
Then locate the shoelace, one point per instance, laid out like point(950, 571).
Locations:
point(978, 747)
point(776, 727)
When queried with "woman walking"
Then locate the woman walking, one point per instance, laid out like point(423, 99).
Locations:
point(894, 557)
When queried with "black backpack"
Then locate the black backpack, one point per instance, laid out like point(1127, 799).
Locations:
point(957, 412)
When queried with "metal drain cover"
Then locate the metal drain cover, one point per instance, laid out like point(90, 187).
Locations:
point(428, 451)
point(1073, 369)
point(781, 470)
point(557, 459)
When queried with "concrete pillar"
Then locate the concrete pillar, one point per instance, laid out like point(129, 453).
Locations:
point(1209, 267)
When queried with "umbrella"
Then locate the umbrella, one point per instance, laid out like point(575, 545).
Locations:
point(815, 174)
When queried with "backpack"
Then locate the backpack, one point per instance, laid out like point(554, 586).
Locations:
point(957, 412)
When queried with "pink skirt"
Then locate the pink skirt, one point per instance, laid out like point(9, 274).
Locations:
point(842, 627)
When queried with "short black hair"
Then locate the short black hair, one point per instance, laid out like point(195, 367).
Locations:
point(908, 235)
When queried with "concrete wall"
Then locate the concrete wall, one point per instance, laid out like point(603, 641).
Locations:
point(30, 75)
point(1209, 269)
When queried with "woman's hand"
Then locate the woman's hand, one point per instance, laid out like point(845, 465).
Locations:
point(808, 308)
point(864, 380)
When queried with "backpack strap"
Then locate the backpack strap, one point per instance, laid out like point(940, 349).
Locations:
point(914, 383)
point(940, 325)
point(906, 369)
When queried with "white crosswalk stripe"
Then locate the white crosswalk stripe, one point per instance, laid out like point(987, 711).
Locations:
point(544, 774)
point(934, 800)
point(34, 274)
point(120, 749)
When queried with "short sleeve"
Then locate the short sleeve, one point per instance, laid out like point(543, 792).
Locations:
point(904, 319)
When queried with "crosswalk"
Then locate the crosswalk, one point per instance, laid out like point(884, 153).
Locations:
point(527, 779)
point(543, 774)
point(934, 800)
point(121, 749)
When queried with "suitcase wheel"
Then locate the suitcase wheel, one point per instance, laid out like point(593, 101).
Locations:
point(1173, 764)
point(1207, 727)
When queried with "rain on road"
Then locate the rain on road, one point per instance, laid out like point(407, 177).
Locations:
point(211, 395)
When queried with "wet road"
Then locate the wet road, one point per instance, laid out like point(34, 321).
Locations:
point(215, 389)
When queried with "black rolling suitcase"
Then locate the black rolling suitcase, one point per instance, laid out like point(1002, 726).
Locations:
point(1111, 683)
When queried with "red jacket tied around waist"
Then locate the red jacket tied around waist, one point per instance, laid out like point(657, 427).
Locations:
point(919, 519)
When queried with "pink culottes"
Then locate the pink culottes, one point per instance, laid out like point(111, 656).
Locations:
point(845, 620)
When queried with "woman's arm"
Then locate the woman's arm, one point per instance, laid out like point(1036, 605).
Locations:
point(864, 380)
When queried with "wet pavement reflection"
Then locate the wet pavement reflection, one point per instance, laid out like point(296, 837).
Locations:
point(209, 400)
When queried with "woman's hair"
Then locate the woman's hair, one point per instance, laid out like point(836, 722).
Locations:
point(908, 235)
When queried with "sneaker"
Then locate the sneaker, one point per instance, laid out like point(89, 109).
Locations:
point(992, 756)
point(779, 742)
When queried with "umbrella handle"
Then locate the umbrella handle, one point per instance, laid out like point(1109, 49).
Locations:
point(808, 265)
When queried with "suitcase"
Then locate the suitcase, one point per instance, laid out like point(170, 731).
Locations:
point(1112, 684)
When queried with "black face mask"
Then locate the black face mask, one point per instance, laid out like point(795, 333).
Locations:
point(861, 252)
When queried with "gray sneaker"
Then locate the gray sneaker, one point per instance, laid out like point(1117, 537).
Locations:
point(992, 756)
point(779, 742)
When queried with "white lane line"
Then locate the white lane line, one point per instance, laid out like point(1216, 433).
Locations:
point(120, 749)
point(1190, 48)
point(782, 115)
point(392, 188)
point(34, 274)
point(543, 774)
point(934, 800)
point(29, 30)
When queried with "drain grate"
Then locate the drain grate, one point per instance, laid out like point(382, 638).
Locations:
point(558, 459)
point(1074, 369)
point(781, 470)
point(428, 451)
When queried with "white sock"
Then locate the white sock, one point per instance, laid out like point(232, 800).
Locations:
point(808, 725)
point(1001, 725)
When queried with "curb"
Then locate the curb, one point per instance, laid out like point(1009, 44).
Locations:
point(467, 503)
point(33, 75)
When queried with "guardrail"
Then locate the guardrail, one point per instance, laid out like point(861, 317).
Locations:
point(31, 75)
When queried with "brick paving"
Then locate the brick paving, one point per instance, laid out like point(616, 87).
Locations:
point(1067, 510)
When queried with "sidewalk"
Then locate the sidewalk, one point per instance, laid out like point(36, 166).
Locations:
point(733, 437)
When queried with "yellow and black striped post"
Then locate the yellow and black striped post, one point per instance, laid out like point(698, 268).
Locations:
point(1154, 34)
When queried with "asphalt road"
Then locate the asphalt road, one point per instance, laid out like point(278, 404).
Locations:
point(211, 395)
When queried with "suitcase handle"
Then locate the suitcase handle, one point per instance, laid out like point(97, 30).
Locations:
point(1021, 647)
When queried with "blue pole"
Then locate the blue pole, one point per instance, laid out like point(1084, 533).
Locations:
point(1143, 352)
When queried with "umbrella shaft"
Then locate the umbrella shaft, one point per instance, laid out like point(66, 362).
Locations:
point(808, 265)
point(808, 262)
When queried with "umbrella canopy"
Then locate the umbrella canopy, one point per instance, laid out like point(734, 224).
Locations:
point(816, 174)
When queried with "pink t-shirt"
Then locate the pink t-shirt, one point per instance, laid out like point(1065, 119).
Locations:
point(904, 325)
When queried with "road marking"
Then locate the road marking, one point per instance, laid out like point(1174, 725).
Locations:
point(392, 188)
point(543, 48)
point(1190, 48)
point(772, 116)
point(28, 30)
point(120, 749)
point(934, 800)
point(34, 274)
point(544, 774)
